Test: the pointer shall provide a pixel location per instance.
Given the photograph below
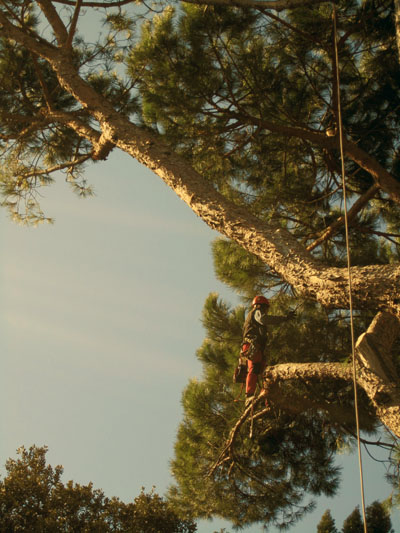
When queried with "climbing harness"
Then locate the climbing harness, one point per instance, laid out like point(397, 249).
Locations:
point(346, 224)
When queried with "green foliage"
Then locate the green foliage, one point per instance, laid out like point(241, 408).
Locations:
point(210, 78)
point(33, 498)
point(327, 523)
point(34, 140)
point(241, 271)
point(377, 520)
point(353, 523)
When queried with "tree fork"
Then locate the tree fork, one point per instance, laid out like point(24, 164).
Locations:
point(376, 374)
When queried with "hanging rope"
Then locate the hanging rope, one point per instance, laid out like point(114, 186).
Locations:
point(346, 224)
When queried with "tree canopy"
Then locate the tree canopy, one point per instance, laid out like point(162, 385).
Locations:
point(34, 498)
point(327, 523)
point(377, 520)
point(235, 108)
point(230, 107)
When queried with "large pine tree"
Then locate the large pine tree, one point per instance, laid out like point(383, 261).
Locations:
point(235, 108)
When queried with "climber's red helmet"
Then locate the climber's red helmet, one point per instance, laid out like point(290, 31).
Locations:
point(260, 300)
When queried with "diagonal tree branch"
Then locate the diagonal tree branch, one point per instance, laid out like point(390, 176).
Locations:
point(74, 21)
point(69, 164)
point(54, 19)
point(381, 176)
point(38, 46)
point(73, 122)
point(375, 286)
point(351, 214)
point(102, 146)
point(276, 5)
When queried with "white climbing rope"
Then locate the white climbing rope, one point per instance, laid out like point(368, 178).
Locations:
point(340, 131)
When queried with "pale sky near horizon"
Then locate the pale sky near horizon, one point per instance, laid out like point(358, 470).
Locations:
point(100, 321)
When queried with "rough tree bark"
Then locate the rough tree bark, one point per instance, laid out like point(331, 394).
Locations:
point(376, 372)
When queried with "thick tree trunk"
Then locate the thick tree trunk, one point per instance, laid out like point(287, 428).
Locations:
point(374, 286)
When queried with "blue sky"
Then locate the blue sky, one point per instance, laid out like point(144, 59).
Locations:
point(100, 321)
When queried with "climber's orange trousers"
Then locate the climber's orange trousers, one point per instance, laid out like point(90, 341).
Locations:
point(255, 368)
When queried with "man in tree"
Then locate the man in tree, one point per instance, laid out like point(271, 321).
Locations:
point(230, 108)
point(255, 336)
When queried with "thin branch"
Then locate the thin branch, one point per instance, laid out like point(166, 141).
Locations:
point(285, 23)
point(102, 146)
point(77, 125)
point(119, 3)
point(68, 164)
point(381, 176)
point(228, 448)
point(33, 124)
point(43, 84)
point(355, 209)
point(32, 42)
point(277, 5)
point(54, 19)
point(74, 21)
point(389, 236)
